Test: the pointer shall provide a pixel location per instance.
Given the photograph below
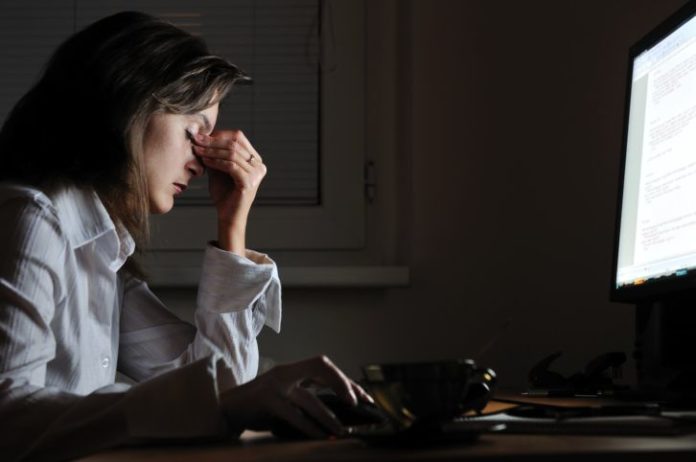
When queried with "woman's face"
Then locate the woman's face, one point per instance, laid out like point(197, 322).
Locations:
point(169, 160)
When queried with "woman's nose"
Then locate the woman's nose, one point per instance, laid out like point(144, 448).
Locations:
point(196, 167)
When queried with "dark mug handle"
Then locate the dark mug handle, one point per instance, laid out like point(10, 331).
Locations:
point(480, 390)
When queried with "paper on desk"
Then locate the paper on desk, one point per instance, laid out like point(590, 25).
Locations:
point(611, 425)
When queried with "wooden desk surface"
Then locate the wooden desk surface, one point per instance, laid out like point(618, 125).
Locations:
point(489, 447)
point(260, 447)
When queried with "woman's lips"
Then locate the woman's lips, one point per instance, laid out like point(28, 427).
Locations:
point(180, 188)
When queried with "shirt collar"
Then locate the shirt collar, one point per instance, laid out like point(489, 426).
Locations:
point(86, 220)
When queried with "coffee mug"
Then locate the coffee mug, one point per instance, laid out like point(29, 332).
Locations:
point(429, 392)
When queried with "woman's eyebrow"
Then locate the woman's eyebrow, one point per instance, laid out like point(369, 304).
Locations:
point(206, 122)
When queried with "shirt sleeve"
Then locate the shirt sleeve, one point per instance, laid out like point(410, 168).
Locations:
point(237, 296)
point(43, 422)
point(46, 423)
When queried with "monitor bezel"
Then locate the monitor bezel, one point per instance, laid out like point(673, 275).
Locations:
point(655, 289)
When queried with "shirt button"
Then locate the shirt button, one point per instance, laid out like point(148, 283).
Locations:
point(105, 362)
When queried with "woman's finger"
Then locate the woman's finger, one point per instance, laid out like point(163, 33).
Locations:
point(248, 147)
point(324, 372)
point(361, 393)
point(244, 158)
point(308, 402)
point(226, 166)
point(221, 140)
point(226, 141)
point(230, 166)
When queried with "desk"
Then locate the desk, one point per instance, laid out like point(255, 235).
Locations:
point(490, 447)
point(261, 447)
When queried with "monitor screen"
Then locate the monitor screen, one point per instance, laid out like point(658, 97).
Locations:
point(655, 250)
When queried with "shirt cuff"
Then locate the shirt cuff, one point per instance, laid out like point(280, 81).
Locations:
point(230, 282)
point(182, 403)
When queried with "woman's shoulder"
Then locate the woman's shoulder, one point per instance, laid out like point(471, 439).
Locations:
point(26, 208)
point(21, 203)
point(30, 227)
point(75, 212)
point(17, 192)
point(56, 201)
point(69, 212)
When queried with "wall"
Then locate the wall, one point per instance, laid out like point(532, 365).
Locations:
point(510, 122)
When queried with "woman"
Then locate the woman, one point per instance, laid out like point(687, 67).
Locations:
point(121, 120)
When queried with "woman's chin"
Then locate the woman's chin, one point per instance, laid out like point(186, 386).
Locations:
point(158, 207)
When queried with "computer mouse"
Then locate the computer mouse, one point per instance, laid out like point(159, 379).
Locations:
point(363, 413)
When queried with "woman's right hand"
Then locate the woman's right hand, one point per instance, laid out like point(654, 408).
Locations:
point(283, 393)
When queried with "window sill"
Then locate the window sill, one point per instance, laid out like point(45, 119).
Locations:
point(298, 276)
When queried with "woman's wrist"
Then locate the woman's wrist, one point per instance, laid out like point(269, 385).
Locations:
point(232, 235)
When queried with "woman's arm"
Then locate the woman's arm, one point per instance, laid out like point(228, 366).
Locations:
point(40, 422)
point(236, 171)
point(237, 296)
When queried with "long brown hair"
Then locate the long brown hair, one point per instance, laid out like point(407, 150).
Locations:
point(82, 124)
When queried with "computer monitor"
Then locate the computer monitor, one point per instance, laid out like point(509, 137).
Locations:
point(654, 263)
point(655, 246)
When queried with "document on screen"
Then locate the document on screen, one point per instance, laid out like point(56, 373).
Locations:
point(666, 213)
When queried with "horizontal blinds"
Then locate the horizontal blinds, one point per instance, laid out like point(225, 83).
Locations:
point(275, 41)
point(29, 33)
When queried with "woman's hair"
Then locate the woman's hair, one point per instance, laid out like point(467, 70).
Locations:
point(83, 122)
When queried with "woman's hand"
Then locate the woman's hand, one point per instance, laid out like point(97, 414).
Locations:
point(282, 393)
point(235, 172)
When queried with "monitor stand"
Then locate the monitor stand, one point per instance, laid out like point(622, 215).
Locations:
point(665, 349)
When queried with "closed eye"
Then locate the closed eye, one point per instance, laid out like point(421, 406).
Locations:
point(207, 126)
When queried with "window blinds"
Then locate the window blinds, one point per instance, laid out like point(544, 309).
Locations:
point(274, 41)
point(29, 33)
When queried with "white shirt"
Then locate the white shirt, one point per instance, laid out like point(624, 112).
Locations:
point(69, 321)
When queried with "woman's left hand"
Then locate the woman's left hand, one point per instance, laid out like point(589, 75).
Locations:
point(235, 172)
